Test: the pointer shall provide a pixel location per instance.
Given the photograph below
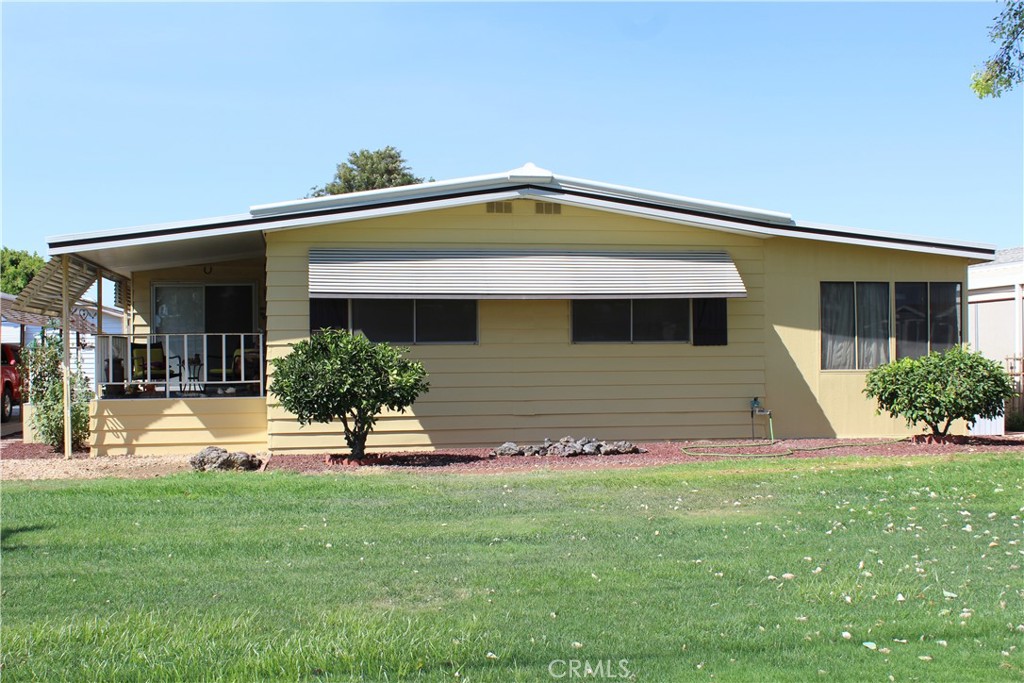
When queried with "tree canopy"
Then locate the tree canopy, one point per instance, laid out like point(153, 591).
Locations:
point(366, 170)
point(17, 267)
point(335, 375)
point(941, 387)
point(1006, 68)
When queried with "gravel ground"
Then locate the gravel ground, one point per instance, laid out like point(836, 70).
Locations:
point(34, 461)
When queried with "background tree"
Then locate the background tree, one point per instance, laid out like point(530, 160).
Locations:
point(366, 170)
point(1006, 68)
point(941, 387)
point(17, 267)
point(335, 375)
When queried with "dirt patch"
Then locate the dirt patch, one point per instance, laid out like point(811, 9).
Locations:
point(35, 461)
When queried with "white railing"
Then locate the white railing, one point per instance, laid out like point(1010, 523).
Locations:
point(179, 365)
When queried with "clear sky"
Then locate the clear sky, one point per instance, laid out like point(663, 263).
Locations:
point(853, 114)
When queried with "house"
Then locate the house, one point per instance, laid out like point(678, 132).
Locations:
point(541, 305)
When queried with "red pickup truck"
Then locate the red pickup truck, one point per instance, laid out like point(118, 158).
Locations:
point(11, 381)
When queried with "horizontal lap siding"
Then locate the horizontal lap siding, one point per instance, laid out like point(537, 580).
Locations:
point(169, 426)
point(524, 380)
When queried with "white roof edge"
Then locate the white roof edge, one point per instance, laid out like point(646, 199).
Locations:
point(881, 234)
point(680, 200)
point(391, 193)
point(294, 213)
point(140, 230)
point(528, 173)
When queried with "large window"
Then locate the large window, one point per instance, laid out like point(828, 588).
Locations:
point(406, 321)
point(927, 317)
point(649, 320)
point(854, 325)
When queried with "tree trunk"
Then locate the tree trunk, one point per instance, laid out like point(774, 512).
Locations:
point(357, 444)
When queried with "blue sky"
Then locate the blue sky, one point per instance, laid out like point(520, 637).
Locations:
point(852, 114)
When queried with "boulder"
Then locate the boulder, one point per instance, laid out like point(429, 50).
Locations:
point(217, 458)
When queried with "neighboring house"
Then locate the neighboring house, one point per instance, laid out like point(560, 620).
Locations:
point(995, 293)
point(996, 305)
point(540, 305)
point(22, 328)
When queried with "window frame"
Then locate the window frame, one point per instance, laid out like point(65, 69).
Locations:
point(415, 342)
point(253, 287)
point(632, 323)
point(961, 318)
point(893, 345)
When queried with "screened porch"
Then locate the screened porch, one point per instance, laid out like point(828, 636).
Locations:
point(216, 365)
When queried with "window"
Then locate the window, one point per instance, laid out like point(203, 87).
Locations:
point(406, 321)
point(324, 313)
point(854, 325)
point(649, 320)
point(927, 317)
point(194, 309)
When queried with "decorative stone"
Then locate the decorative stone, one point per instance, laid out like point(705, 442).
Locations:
point(568, 446)
point(507, 448)
point(217, 458)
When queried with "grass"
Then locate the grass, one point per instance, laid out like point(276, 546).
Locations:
point(663, 574)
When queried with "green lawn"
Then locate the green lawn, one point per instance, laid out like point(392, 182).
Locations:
point(740, 570)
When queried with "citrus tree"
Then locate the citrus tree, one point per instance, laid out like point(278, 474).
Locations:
point(335, 375)
point(940, 388)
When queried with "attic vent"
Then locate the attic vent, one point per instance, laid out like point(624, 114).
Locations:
point(548, 208)
point(499, 207)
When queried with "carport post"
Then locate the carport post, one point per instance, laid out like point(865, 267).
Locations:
point(66, 338)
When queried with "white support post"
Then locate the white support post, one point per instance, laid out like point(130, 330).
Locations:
point(65, 263)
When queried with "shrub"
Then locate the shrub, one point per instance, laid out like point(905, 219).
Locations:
point(41, 364)
point(337, 375)
point(941, 387)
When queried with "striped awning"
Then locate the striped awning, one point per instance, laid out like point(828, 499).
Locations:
point(521, 274)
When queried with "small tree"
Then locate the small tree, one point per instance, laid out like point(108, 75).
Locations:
point(941, 387)
point(336, 375)
point(41, 364)
point(366, 170)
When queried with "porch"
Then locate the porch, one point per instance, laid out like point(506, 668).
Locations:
point(200, 365)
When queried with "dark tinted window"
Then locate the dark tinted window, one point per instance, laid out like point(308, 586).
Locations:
point(661, 320)
point(439, 320)
point(944, 315)
point(600, 320)
point(837, 326)
point(710, 322)
point(388, 320)
point(911, 319)
point(324, 313)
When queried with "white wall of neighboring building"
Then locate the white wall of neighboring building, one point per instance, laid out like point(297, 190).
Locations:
point(995, 324)
point(996, 306)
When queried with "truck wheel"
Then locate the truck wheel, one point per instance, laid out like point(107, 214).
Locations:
point(7, 405)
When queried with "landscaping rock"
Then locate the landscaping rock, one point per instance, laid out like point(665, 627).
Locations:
point(217, 458)
point(507, 448)
point(568, 447)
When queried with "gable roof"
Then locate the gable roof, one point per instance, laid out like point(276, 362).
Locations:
point(240, 235)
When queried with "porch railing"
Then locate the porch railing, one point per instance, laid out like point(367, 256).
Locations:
point(179, 365)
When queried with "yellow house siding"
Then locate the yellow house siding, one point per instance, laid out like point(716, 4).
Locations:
point(806, 400)
point(170, 426)
point(525, 380)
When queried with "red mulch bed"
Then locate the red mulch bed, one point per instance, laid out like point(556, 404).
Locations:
point(15, 449)
point(476, 460)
